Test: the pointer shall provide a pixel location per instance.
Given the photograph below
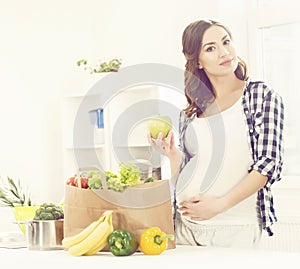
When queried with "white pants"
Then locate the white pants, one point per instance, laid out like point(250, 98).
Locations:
point(238, 236)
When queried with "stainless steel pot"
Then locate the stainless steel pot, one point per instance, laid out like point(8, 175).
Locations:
point(44, 234)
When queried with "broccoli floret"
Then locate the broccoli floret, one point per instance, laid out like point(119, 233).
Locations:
point(46, 216)
point(49, 211)
point(94, 181)
point(114, 184)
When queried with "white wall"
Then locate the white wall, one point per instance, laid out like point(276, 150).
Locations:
point(40, 44)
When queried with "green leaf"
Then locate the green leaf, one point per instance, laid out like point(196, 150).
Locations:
point(111, 66)
point(130, 174)
point(12, 194)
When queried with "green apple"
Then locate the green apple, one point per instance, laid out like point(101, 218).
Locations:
point(159, 124)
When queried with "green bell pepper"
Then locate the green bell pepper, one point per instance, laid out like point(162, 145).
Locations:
point(122, 243)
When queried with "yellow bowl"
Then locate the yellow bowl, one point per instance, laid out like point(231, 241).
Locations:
point(23, 213)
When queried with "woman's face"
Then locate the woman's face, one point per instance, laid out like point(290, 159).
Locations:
point(217, 55)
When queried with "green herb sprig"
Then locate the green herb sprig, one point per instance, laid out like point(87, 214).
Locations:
point(101, 67)
point(12, 194)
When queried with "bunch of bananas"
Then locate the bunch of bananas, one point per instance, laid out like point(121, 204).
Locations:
point(92, 239)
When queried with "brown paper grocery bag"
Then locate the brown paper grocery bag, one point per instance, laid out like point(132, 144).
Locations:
point(134, 209)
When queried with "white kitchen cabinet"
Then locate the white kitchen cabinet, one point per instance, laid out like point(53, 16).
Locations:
point(122, 139)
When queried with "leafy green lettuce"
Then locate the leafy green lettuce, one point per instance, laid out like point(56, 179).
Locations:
point(129, 174)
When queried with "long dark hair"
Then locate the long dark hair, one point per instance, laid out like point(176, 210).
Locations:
point(198, 88)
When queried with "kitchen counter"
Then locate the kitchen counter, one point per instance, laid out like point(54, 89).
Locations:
point(175, 258)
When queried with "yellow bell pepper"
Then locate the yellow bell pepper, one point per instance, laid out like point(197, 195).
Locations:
point(153, 241)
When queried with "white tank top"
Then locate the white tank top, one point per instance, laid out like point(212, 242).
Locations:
point(230, 159)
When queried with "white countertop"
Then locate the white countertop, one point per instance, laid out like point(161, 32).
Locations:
point(175, 258)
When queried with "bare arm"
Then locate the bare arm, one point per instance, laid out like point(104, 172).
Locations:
point(204, 206)
point(252, 183)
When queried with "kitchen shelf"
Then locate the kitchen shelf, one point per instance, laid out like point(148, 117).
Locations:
point(107, 153)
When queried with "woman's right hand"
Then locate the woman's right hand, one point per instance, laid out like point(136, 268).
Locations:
point(165, 146)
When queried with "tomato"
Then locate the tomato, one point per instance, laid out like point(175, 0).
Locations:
point(71, 181)
point(83, 182)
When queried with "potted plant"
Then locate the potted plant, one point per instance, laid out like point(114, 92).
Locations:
point(13, 195)
point(96, 72)
point(101, 67)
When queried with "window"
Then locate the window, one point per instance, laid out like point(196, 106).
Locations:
point(274, 39)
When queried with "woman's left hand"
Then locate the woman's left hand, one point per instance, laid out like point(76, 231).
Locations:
point(202, 207)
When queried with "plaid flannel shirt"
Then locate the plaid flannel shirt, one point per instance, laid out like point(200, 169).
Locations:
point(264, 115)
